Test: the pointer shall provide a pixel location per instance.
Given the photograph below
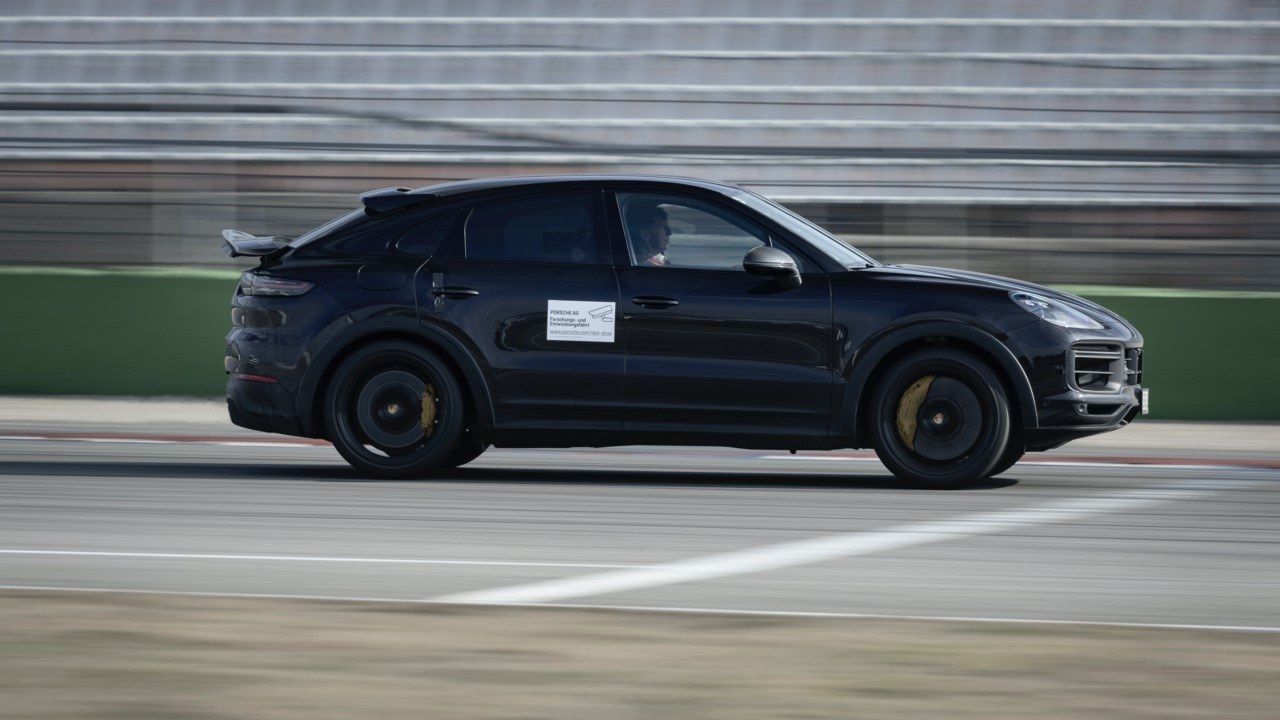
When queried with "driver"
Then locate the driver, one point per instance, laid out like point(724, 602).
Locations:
point(650, 234)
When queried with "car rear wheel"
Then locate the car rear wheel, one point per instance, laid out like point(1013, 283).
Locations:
point(940, 419)
point(394, 410)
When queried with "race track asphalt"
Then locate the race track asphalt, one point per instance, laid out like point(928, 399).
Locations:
point(691, 528)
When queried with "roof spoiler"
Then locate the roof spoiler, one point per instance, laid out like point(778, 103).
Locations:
point(388, 199)
point(237, 243)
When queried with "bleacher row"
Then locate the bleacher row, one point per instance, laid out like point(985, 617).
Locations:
point(842, 103)
point(981, 9)
point(649, 34)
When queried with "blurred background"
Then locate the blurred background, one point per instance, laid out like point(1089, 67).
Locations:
point(1125, 148)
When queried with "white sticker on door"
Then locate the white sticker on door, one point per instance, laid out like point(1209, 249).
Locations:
point(580, 320)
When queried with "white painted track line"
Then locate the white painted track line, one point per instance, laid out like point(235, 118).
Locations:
point(658, 609)
point(831, 547)
point(1155, 463)
point(1150, 463)
point(301, 558)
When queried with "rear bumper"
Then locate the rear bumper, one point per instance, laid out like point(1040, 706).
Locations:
point(264, 406)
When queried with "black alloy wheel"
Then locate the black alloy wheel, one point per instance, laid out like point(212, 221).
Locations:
point(394, 410)
point(940, 419)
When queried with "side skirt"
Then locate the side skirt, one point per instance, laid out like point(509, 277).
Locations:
point(596, 438)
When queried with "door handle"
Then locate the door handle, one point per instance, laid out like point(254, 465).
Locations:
point(454, 292)
point(655, 301)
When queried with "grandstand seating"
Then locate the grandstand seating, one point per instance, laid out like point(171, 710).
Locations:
point(168, 117)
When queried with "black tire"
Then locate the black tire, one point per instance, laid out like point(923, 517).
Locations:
point(955, 419)
point(470, 447)
point(1011, 456)
point(374, 410)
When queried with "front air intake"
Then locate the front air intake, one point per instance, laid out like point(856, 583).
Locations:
point(1133, 366)
point(1097, 367)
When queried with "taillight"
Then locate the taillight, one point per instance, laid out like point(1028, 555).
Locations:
point(252, 283)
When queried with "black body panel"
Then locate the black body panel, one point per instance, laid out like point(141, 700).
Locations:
point(737, 353)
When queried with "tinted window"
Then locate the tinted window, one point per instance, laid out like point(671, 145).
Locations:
point(556, 228)
point(360, 236)
point(674, 231)
point(338, 224)
point(424, 240)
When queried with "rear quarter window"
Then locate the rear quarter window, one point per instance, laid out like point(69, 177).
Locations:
point(426, 238)
point(367, 237)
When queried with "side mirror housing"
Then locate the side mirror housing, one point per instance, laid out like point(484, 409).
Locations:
point(772, 262)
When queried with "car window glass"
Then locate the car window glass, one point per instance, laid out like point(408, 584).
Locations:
point(424, 239)
point(673, 231)
point(338, 224)
point(365, 238)
point(555, 228)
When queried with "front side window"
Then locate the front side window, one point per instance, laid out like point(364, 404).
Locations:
point(673, 231)
point(554, 228)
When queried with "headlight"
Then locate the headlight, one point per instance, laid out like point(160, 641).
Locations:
point(1054, 312)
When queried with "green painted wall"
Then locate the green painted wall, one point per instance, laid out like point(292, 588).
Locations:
point(160, 331)
point(1208, 355)
point(102, 332)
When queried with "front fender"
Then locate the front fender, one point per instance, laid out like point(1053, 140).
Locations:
point(868, 357)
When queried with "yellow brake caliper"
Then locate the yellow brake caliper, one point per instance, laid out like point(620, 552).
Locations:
point(428, 411)
point(908, 404)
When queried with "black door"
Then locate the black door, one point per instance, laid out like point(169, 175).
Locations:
point(711, 348)
point(529, 282)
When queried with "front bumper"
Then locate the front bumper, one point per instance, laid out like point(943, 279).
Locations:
point(1077, 408)
point(1081, 414)
point(1085, 382)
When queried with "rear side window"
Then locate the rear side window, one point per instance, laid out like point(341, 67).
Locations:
point(370, 238)
point(424, 239)
point(552, 228)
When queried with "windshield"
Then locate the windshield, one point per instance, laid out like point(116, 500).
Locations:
point(837, 250)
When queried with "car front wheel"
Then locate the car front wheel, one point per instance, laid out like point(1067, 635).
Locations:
point(940, 419)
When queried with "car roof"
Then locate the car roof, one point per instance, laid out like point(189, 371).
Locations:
point(469, 186)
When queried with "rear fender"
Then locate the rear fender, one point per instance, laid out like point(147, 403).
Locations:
point(403, 327)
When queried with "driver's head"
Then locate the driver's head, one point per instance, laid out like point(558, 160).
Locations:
point(649, 229)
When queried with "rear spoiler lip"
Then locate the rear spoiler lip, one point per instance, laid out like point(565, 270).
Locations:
point(393, 198)
point(237, 243)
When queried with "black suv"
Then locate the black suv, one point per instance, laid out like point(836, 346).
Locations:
point(588, 311)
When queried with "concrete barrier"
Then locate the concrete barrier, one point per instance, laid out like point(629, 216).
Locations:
point(159, 331)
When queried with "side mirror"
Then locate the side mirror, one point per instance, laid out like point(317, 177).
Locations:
point(772, 262)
